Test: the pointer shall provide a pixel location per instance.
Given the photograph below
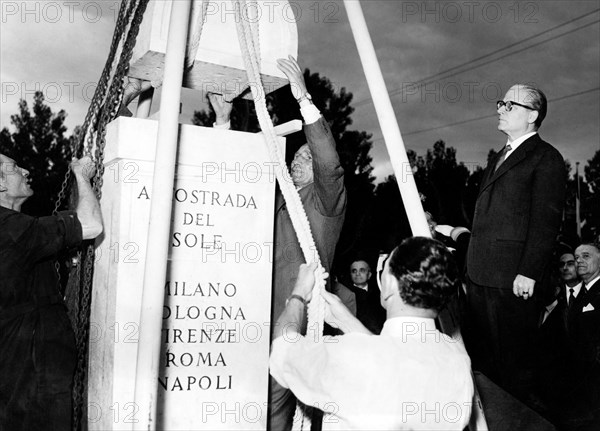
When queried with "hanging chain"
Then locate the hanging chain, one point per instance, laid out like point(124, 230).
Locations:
point(116, 94)
point(103, 109)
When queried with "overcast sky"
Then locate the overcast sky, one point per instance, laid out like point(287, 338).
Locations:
point(61, 47)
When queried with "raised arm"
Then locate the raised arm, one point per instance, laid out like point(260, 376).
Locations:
point(88, 208)
point(328, 171)
point(222, 108)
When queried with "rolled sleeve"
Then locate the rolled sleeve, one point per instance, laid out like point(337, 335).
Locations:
point(72, 231)
point(308, 368)
point(45, 236)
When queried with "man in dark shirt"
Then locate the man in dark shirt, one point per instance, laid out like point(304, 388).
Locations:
point(37, 343)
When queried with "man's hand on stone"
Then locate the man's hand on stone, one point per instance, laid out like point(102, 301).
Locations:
point(294, 74)
point(133, 88)
point(221, 106)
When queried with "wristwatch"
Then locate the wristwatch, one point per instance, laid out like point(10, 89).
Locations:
point(305, 96)
point(298, 297)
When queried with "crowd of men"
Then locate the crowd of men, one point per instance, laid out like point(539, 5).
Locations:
point(534, 335)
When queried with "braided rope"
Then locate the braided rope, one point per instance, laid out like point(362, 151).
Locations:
point(198, 18)
point(249, 43)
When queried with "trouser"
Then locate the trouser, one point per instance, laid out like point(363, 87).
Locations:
point(282, 404)
point(500, 332)
point(282, 407)
point(36, 370)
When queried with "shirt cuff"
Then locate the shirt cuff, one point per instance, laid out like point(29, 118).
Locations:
point(277, 360)
point(225, 126)
point(457, 231)
point(309, 112)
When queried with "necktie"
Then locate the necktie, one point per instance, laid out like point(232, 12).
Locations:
point(571, 296)
point(502, 156)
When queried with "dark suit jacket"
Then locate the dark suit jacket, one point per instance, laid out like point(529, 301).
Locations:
point(586, 328)
point(553, 352)
point(324, 202)
point(582, 397)
point(517, 216)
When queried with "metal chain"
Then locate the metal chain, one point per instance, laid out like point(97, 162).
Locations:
point(79, 392)
point(115, 94)
point(105, 106)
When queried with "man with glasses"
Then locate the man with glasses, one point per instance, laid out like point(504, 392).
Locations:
point(517, 216)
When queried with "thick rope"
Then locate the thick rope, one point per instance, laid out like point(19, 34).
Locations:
point(197, 23)
point(249, 43)
point(290, 194)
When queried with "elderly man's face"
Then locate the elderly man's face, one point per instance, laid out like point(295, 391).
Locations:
point(587, 259)
point(360, 272)
point(14, 181)
point(515, 122)
point(567, 269)
point(302, 168)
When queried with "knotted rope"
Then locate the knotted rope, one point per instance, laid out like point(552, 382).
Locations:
point(250, 46)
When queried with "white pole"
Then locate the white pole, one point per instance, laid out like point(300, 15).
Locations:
point(387, 120)
point(146, 379)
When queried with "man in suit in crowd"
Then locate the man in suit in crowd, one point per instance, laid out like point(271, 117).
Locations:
point(571, 281)
point(517, 217)
point(553, 353)
point(368, 308)
point(582, 401)
point(560, 301)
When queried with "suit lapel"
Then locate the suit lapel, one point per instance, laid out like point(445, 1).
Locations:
point(279, 200)
point(515, 158)
point(591, 294)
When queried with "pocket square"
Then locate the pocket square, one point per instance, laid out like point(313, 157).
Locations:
point(588, 307)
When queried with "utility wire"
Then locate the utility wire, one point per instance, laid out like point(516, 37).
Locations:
point(506, 55)
point(438, 76)
point(470, 120)
point(509, 46)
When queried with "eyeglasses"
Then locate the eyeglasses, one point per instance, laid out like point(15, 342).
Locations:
point(380, 265)
point(509, 105)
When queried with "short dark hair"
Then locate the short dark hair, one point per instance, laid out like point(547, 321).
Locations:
point(426, 272)
point(360, 259)
point(538, 102)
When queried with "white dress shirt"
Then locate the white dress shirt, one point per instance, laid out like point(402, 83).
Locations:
point(364, 287)
point(589, 285)
point(576, 290)
point(410, 377)
point(516, 143)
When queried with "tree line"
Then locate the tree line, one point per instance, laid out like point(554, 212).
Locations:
point(375, 215)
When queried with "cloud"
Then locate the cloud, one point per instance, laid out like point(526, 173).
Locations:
point(413, 40)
